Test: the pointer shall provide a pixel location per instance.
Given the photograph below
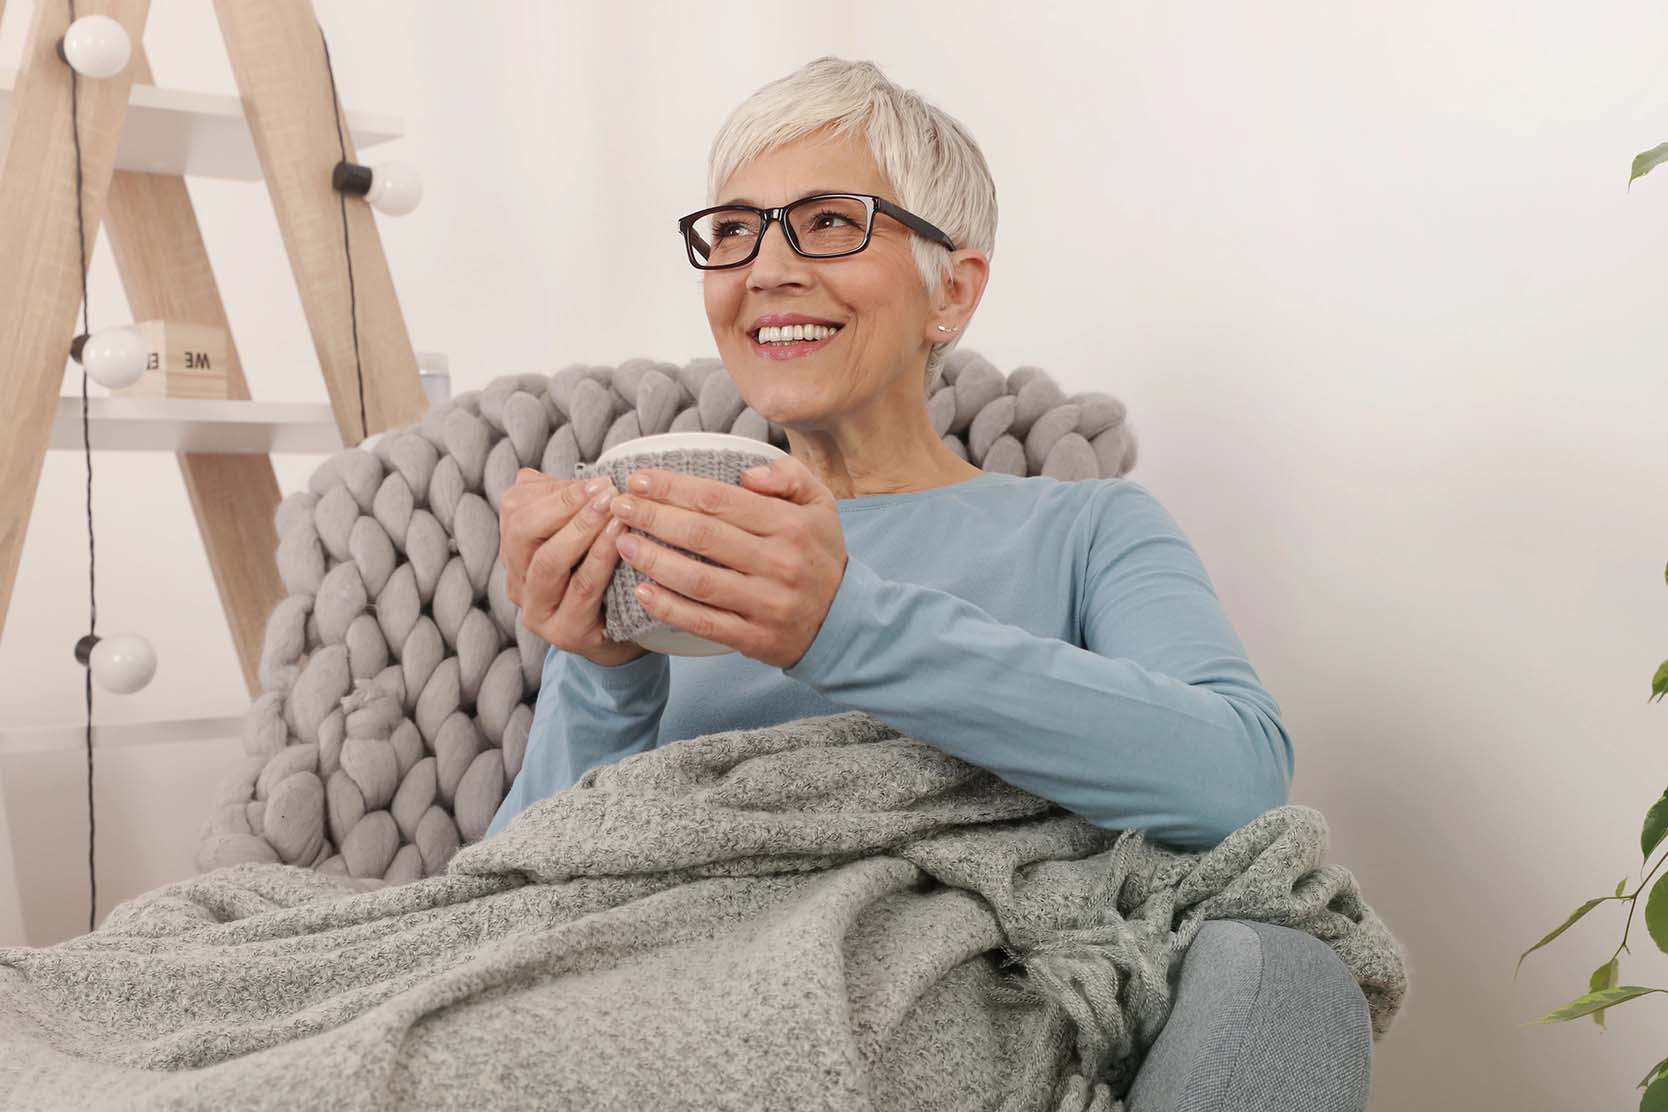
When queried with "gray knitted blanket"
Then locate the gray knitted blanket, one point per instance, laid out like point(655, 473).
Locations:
point(822, 914)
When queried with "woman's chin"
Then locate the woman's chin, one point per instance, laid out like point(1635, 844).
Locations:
point(790, 408)
point(788, 393)
point(780, 406)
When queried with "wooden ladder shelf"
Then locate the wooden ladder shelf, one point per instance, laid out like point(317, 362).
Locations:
point(278, 60)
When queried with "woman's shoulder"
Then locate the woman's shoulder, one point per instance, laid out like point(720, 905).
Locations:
point(1113, 509)
point(1106, 490)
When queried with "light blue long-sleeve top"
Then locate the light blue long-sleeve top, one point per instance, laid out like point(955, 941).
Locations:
point(1062, 634)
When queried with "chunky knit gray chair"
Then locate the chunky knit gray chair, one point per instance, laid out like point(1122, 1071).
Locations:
point(399, 684)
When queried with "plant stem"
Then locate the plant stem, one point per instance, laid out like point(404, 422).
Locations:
point(1633, 905)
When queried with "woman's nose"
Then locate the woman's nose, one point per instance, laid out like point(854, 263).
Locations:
point(774, 251)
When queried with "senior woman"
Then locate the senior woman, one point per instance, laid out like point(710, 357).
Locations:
point(1063, 635)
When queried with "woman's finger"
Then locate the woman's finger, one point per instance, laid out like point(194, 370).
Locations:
point(696, 531)
point(590, 579)
point(531, 525)
point(515, 532)
point(554, 561)
point(529, 484)
point(549, 508)
point(713, 584)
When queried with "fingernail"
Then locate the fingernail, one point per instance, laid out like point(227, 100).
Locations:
point(757, 472)
point(614, 527)
point(597, 484)
point(526, 473)
point(600, 502)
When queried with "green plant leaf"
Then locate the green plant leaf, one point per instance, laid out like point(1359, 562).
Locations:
point(1621, 884)
point(1593, 1001)
point(1603, 977)
point(1646, 161)
point(1656, 913)
point(1659, 682)
point(1650, 1077)
point(1656, 824)
point(1656, 1097)
point(1574, 915)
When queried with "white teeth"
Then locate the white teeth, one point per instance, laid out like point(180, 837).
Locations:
point(795, 332)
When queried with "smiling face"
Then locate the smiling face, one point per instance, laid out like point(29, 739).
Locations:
point(877, 359)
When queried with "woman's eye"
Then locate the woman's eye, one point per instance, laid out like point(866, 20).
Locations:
point(740, 227)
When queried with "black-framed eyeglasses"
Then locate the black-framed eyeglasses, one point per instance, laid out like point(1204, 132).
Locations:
point(821, 226)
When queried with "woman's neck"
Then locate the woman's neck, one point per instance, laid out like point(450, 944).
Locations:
point(933, 468)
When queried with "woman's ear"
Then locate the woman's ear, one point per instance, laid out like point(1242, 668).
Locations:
point(961, 292)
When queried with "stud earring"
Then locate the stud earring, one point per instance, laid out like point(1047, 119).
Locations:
point(941, 328)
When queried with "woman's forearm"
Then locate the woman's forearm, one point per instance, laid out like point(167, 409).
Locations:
point(586, 715)
point(1109, 738)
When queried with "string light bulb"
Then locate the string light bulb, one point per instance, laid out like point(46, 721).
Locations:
point(96, 46)
point(114, 357)
point(393, 188)
point(121, 664)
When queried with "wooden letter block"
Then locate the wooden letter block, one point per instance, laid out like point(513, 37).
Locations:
point(185, 361)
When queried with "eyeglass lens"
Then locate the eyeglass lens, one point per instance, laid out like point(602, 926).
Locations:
point(821, 226)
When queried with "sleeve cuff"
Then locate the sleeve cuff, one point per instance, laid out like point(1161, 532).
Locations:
point(822, 659)
point(631, 676)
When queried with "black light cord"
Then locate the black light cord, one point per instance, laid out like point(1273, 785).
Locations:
point(87, 449)
point(347, 247)
point(86, 427)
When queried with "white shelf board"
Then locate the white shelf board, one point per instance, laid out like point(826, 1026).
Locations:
point(205, 135)
point(49, 739)
point(195, 425)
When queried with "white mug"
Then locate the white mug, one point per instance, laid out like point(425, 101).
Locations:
point(677, 642)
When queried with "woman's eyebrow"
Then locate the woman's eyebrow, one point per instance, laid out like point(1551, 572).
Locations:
point(802, 196)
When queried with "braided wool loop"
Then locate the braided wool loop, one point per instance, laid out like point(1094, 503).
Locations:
point(398, 683)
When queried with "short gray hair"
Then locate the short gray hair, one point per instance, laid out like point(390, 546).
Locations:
point(928, 157)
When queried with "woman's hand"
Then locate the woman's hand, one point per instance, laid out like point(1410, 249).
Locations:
point(559, 556)
point(777, 539)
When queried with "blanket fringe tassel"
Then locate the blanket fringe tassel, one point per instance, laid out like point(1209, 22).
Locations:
point(1101, 987)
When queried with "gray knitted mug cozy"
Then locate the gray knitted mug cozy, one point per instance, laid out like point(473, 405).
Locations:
point(626, 618)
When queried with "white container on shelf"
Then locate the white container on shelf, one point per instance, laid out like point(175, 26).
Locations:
point(432, 366)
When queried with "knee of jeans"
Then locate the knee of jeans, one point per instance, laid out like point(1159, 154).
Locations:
point(1265, 1017)
point(1309, 1037)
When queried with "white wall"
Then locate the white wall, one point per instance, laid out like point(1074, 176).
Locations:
point(1385, 316)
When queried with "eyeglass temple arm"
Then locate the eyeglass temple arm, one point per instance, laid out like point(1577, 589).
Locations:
point(913, 222)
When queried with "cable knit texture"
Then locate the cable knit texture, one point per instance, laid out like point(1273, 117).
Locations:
point(399, 684)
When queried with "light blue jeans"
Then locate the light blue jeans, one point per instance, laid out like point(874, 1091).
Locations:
point(1266, 1019)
